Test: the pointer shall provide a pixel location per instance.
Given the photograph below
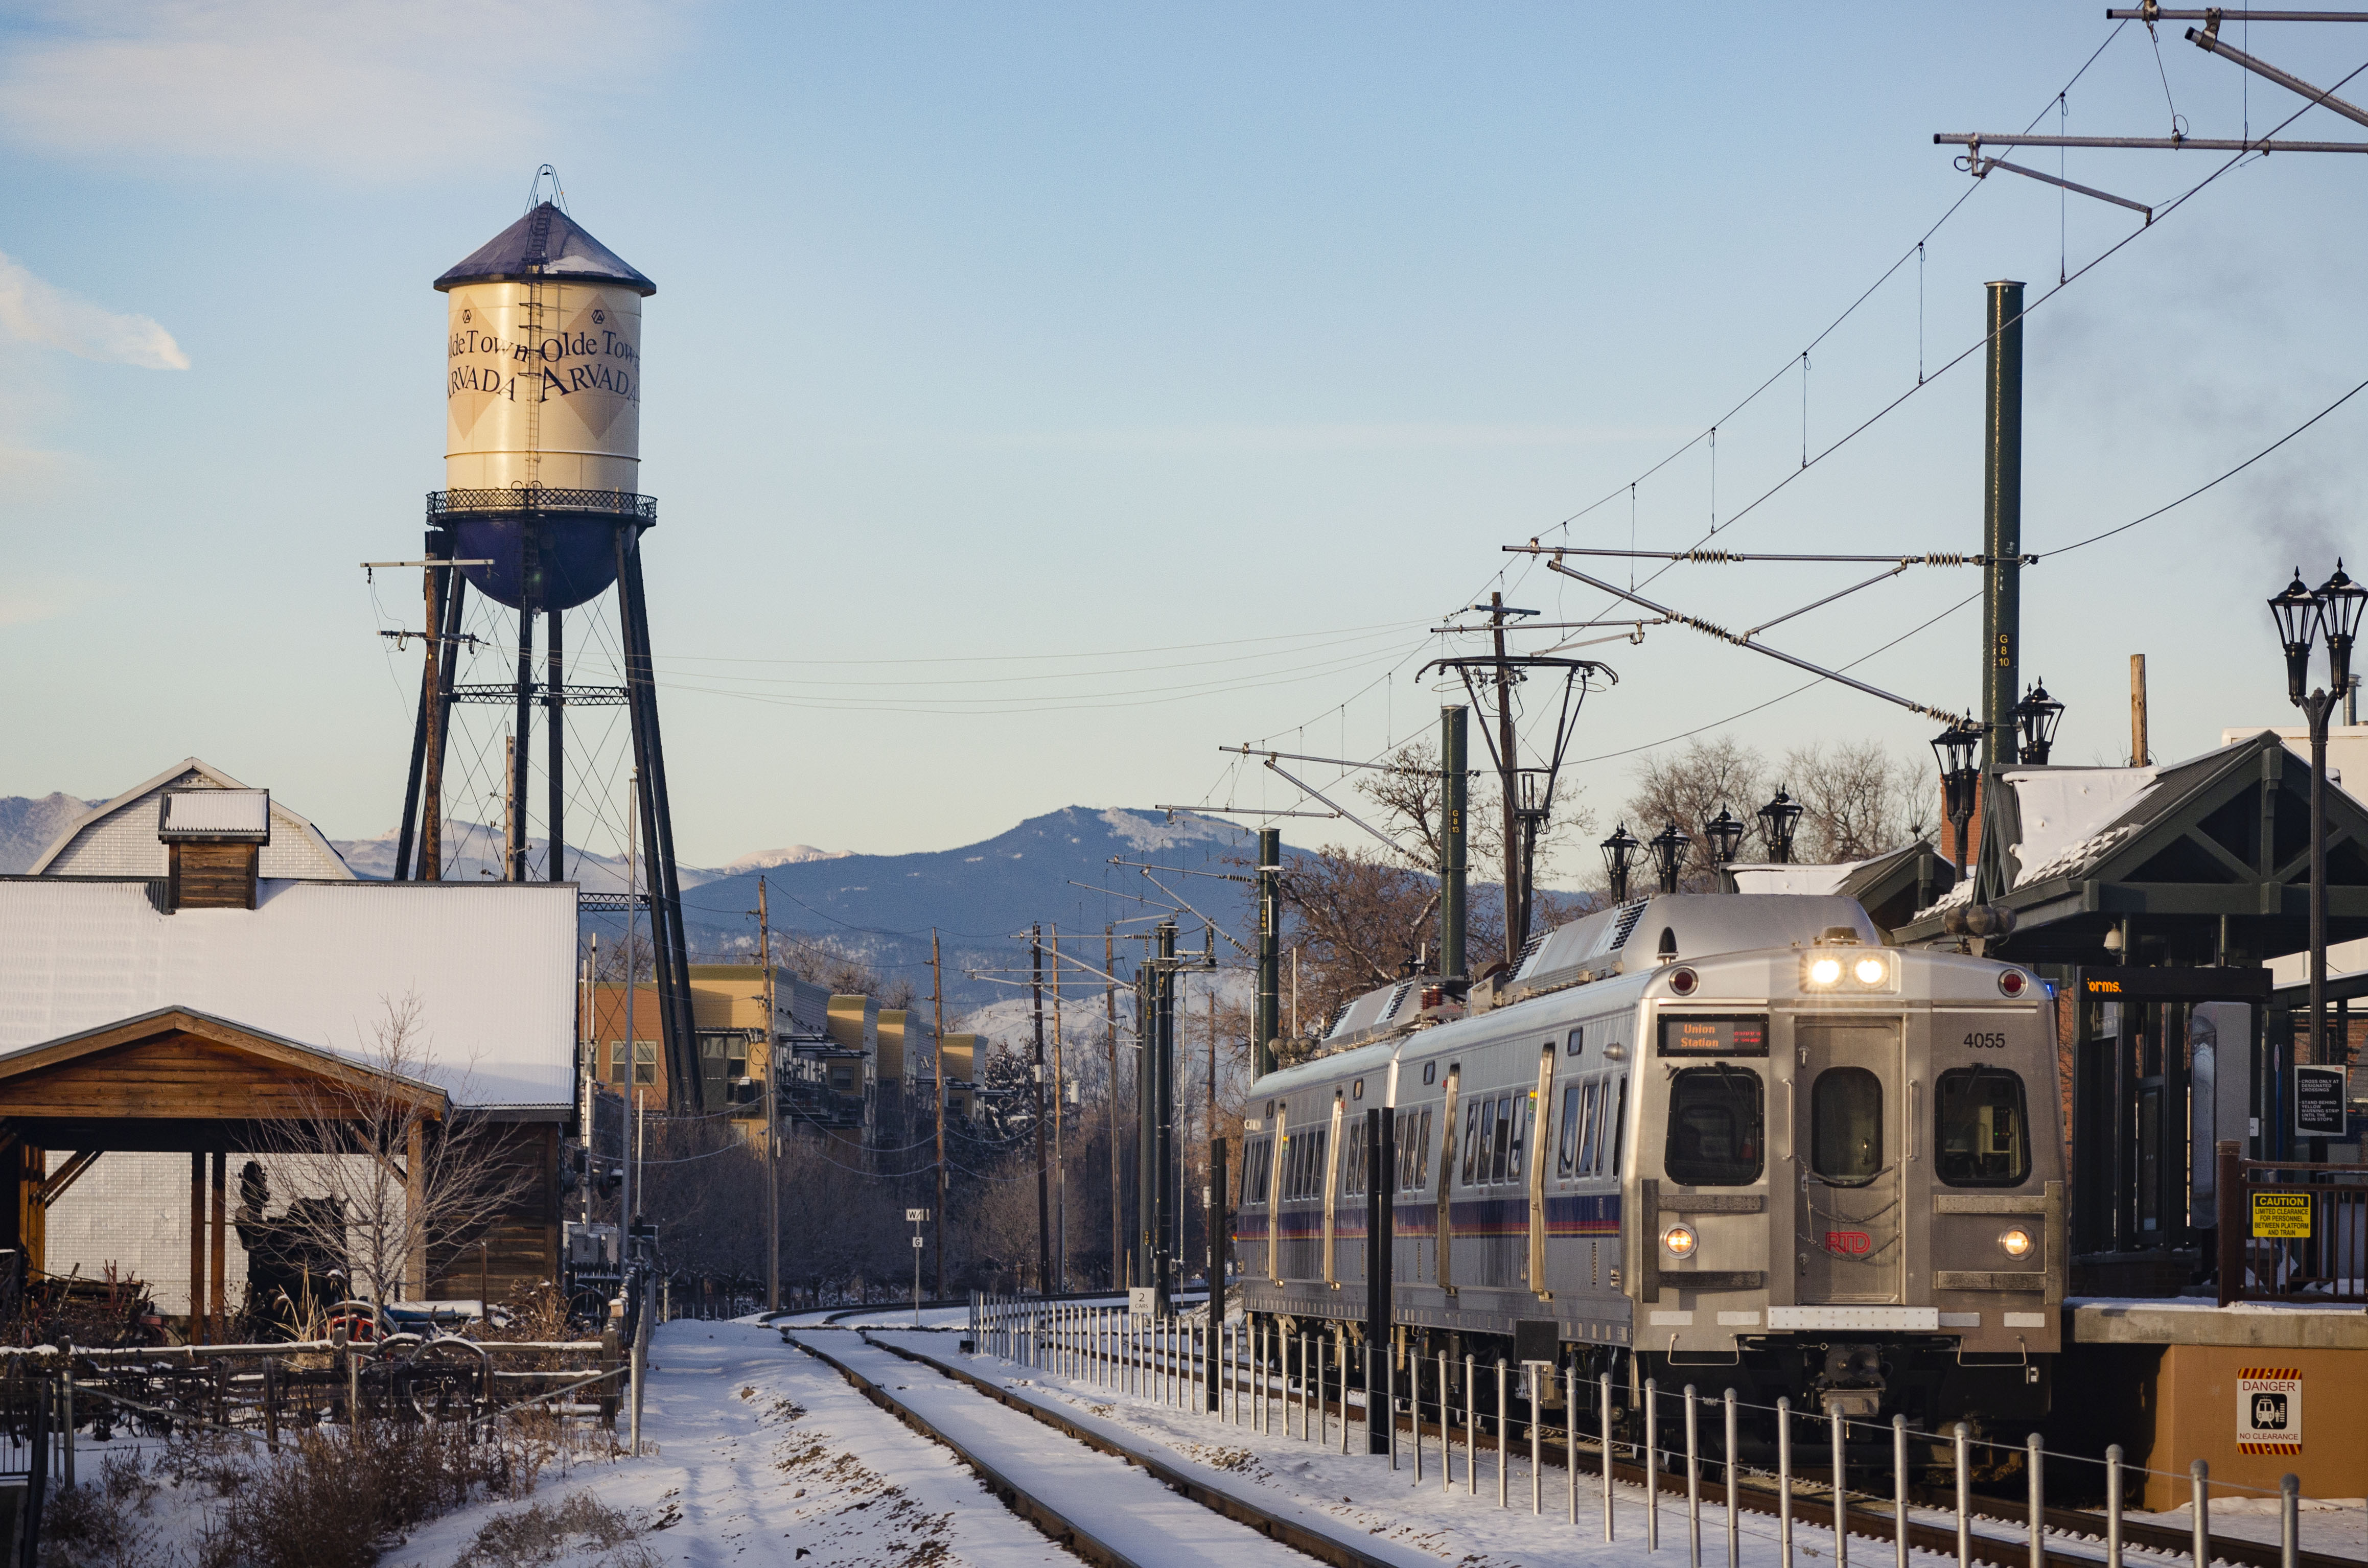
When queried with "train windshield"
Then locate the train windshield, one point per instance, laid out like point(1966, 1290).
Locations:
point(1984, 1134)
point(1717, 1127)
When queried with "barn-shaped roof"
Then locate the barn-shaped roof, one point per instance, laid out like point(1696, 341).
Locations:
point(546, 243)
point(118, 839)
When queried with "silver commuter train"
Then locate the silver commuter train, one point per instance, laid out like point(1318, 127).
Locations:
point(1724, 1132)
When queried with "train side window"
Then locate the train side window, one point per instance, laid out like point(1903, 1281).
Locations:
point(1717, 1119)
point(1567, 1146)
point(1984, 1136)
point(1302, 1148)
point(1846, 1126)
point(1261, 1168)
point(1472, 1141)
point(1503, 1139)
point(1523, 1115)
point(1422, 1152)
point(1588, 1118)
point(1620, 1125)
point(1353, 1180)
point(1577, 1042)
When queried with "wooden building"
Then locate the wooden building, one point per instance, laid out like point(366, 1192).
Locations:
point(159, 1023)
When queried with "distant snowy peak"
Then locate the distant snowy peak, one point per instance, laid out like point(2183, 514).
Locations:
point(1143, 830)
point(794, 855)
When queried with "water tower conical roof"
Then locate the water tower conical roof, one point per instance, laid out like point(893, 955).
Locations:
point(546, 243)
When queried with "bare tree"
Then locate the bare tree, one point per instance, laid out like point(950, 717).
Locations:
point(1857, 801)
point(386, 1165)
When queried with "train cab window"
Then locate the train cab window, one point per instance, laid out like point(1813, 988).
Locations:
point(1590, 1118)
point(1717, 1127)
point(1984, 1133)
point(1619, 1114)
point(1567, 1145)
point(1846, 1126)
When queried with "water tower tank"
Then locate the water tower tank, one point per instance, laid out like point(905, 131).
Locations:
point(543, 408)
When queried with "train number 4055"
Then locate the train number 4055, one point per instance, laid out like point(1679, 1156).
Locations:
point(1985, 1041)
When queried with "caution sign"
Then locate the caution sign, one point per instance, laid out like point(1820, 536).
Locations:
point(2282, 1216)
point(2269, 1410)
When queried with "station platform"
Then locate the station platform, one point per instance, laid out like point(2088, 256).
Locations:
point(2256, 1390)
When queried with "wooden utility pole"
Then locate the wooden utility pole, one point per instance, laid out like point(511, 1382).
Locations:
point(1059, 1163)
point(772, 1113)
point(1043, 1174)
point(2138, 756)
point(1110, 1033)
point(938, 1000)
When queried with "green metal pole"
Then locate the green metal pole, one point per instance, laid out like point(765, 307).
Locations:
point(1455, 780)
point(1162, 1088)
point(1270, 970)
point(2002, 541)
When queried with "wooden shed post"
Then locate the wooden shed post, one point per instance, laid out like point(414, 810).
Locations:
point(221, 1247)
point(197, 1246)
point(414, 1199)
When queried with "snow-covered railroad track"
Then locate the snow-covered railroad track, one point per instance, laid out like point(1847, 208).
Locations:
point(1114, 1501)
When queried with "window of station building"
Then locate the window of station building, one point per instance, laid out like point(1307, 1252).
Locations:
point(645, 1062)
point(1846, 1126)
point(1984, 1134)
point(1717, 1127)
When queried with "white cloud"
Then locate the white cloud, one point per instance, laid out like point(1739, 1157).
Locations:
point(334, 83)
point(44, 313)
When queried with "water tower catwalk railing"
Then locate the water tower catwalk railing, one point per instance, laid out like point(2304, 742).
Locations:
point(568, 546)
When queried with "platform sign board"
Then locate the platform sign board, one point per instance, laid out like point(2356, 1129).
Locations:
point(2320, 1094)
point(1142, 1301)
point(2282, 1216)
point(2269, 1410)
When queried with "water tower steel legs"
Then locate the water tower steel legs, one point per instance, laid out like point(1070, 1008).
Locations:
point(555, 698)
point(514, 852)
point(673, 962)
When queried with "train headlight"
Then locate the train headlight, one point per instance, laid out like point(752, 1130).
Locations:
point(1825, 971)
point(1679, 1239)
point(1869, 970)
point(2016, 1242)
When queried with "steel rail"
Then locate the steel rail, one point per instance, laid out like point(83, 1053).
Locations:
point(1183, 1480)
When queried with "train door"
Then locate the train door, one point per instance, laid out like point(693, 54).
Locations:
point(1848, 1126)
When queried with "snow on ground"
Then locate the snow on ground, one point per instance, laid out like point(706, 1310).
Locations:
point(2336, 1526)
point(766, 1455)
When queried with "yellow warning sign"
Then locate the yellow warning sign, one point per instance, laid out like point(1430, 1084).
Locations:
point(2282, 1216)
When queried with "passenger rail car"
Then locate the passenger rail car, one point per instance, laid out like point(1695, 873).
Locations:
point(1726, 1132)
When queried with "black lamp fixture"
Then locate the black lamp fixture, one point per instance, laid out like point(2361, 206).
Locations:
point(2340, 602)
point(2035, 718)
point(1619, 854)
point(1670, 848)
point(1723, 834)
point(1956, 747)
point(2296, 611)
point(1779, 819)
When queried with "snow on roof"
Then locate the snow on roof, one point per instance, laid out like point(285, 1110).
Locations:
point(117, 840)
point(491, 965)
point(1772, 878)
point(2067, 816)
point(209, 812)
point(545, 242)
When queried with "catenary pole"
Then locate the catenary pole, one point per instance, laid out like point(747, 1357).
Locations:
point(938, 1000)
point(1269, 949)
point(1506, 764)
point(1109, 1034)
point(2002, 578)
point(1453, 788)
point(1060, 1153)
point(1043, 1174)
point(772, 1112)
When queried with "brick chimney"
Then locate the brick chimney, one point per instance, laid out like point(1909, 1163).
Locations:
point(213, 840)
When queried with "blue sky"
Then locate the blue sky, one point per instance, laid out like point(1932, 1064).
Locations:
point(1186, 363)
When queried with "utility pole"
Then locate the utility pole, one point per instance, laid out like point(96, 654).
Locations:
point(1517, 901)
point(1043, 1181)
point(591, 1068)
point(626, 1195)
point(772, 1113)
point(1060, 1160)
point(1453, 784)
point(1270, 951)
point(1110, 1033)
point(937, 999)
point(2002, 578)
point(2137, 711)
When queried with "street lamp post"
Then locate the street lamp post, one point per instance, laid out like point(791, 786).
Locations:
point(2035, 718)
point(2303, 613)
point(1955, 746)
point(1779, 820)
point(1723, 834)
point(1669, 847)
point(1618, 853)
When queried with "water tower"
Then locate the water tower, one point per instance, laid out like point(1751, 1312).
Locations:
point(542, 514)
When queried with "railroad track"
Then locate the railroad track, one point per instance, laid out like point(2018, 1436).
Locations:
point(1870, 1517)
point(1101, 1535)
